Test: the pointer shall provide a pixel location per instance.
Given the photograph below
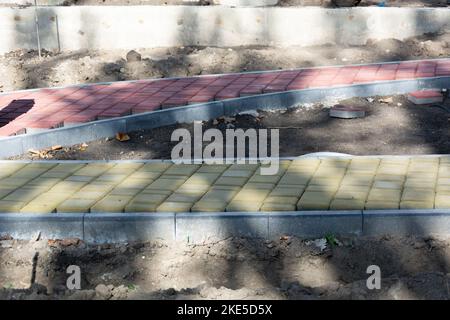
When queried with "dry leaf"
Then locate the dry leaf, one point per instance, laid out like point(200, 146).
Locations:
point(83, 147)
point(63, 242)
point(122, 137)
point(229, 119)
point(386, 100)
point(69, 242)
point(58, 147)
point(52, 243)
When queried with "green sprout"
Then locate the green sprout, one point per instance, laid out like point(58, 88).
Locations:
point(331, 240)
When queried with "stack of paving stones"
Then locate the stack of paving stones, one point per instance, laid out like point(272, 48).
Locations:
point(36, 110)
point(426, 96)
point(334, 183)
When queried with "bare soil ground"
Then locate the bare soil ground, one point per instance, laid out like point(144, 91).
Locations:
point(25, 70)
point(235, 268)
point(296, 3)
point(364, 3)
point(392, 125)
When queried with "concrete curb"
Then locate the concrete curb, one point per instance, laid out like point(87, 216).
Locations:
point(315, 223)
point(198, 227)
point(50, 226)
point(125, 227)
point(194, 228)
point(406, 222)
point(319, 155)
point(12, 146)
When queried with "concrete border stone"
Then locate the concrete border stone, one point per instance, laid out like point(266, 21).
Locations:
point(50, 226)
point(406, 222)
point(128, 227)
point(315, 223)
point(202, 227)
point(193, 227)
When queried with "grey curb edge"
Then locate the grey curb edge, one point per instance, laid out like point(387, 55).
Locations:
point(46, 226)
point(420, 222)
point(204, 227)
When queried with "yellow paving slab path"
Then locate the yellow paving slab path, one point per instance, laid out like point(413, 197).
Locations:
point(313, 183)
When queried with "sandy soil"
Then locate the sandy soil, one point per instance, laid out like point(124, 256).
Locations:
point(236, 268)
point(24, 69)
point(397, 127)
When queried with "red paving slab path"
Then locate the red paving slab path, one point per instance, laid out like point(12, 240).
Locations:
point(28, 111)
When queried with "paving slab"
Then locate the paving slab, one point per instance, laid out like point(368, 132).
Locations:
point(123, 100)
point(321, 204)
point(426, 96)
point(317, 184)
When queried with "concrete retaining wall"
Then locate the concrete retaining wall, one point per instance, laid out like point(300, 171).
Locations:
point(111, 27)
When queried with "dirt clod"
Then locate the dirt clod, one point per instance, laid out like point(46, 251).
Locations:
point(103, 291)
point(133, 56)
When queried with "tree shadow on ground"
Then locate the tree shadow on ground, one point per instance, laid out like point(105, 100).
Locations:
point(14, 110)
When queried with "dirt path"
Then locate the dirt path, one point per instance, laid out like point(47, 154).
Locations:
point(290, 268)
point(396, 127)
point(25, 70)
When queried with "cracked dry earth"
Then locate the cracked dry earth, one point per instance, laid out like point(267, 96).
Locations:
point(235, 268)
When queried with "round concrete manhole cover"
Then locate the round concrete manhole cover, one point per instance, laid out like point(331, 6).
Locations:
point(346, 112)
